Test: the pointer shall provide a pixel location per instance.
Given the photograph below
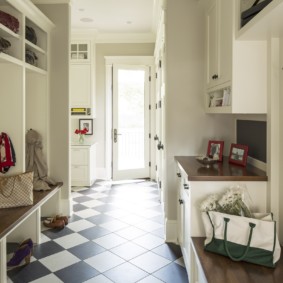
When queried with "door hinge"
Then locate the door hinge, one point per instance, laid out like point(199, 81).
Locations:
point(149, 164)
point(149, 106)
point(149, 78)
point(149, 135)
point(156, 106)
point(159, 184)
point(160, 64)
point(159, 103)
point(155, 167)
point(156, 76)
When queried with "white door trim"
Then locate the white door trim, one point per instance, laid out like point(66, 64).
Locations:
point(129, 60)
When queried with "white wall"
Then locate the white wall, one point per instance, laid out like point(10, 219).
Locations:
point(59, 14)
point(188, 128)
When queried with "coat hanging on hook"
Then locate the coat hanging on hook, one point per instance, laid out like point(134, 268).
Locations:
point(7, 153)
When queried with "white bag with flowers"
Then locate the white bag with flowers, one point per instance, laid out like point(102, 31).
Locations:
point(233, 231)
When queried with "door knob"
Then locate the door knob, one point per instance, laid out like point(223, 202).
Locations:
point(160, 146)
point(115, 135)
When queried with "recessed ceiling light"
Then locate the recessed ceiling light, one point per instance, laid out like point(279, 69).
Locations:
point(81, 9)
point(86, 20)
point(128, 22)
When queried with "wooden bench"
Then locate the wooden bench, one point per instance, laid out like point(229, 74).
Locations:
point(213, 268)
point(20, 223)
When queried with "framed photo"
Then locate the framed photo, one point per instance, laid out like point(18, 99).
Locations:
point(88, 124)
point(215, 149)
point(238, 154)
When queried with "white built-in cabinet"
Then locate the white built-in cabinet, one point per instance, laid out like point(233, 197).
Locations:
point(82, 80)
point(236, 76)
point(24, 92)
point(83, 165)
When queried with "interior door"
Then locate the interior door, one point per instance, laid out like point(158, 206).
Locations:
point(130, 136)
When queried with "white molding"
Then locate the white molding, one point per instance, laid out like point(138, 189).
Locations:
point(113, 37)
point(171, 231)
point(39, 2)
point(66, 206)
point(109, 60)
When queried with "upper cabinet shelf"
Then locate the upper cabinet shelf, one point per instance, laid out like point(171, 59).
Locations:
point(267, 23)
point(5, 32)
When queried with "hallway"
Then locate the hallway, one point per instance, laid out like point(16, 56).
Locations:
point(116, 234)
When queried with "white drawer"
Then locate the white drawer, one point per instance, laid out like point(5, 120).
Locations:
point(79, 156)
point(80, 173)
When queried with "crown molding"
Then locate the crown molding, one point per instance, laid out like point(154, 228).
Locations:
point(39, 2)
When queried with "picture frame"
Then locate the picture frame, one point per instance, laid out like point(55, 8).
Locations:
point(215, 149)
point(86, 123)
point(238, 154)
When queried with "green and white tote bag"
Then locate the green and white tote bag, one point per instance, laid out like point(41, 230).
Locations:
point(241, 238)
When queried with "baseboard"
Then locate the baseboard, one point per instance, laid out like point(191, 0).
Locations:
point(171, 228)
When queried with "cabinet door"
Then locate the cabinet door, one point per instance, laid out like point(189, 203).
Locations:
point(212, 44)
point(80, 85)
point(79, 156)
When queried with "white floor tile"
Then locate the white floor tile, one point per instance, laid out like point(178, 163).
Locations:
point(130, 233)
point(86, 213)
point(92, 203)
point(99, 279)
point(71, 240)
point(114, 225)
point(80, 225)
point(104, 261)
point(117, 213)
point(110, 241)
point(150, 279)
point(149, 241)
point(150, 262)
point(128, 250)
point(148, 225)
point(59, 260)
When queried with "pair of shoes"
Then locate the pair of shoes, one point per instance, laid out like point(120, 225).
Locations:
point(64, 218)
point(54, 223)
point(22, 254)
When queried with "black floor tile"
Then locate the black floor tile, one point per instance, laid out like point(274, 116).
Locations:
point(172, 273)
point(76, 273)
point(94, 232)
point(170, 251)
point(27, 273)
point(78, 207)
point(46, 249)
point(54, 234)
point(86, 250)
point(100, 219)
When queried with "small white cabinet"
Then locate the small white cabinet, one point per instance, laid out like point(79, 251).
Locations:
point(236, 77)
point(83, 165)
point(82, 79)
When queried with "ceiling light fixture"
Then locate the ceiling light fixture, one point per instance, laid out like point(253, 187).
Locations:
point(128, 22)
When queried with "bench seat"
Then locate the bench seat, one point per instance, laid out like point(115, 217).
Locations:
point(20, 223)
point(220, 269)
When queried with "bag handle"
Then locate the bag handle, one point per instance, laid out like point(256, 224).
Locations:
point(252, 225)
point(12, 190)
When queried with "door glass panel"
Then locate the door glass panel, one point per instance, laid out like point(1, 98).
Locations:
point(131, 120)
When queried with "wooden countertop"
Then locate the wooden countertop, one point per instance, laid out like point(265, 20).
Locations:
point(222, 171)
point(221, 269)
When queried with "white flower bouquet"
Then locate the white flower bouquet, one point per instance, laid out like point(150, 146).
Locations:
point(231, 202)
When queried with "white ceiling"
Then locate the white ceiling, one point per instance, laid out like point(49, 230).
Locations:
point(114, 16)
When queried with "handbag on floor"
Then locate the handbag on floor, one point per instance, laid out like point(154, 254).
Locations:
point(242, 238)
point(16, 190)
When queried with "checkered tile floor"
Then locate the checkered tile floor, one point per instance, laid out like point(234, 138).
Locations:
point(116, 234)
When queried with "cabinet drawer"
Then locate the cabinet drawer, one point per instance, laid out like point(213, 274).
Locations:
point(79, 156)
point(80, 173)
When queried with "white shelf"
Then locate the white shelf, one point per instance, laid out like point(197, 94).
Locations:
point(6, 58)
point(34, 47)
point(6, 32)
point(219, 109)
point(34, 69)
point(267, 23)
